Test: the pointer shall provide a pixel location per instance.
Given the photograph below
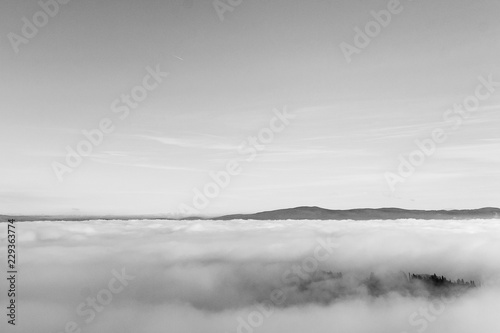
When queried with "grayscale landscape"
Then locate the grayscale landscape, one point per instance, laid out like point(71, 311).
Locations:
point(236, 166)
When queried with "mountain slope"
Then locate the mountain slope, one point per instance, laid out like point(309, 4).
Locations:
point(317, 213)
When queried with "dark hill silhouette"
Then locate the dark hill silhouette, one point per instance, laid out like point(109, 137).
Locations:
point(297, 213)
point(318, 213)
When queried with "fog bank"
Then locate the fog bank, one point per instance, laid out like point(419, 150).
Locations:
point(252, 276)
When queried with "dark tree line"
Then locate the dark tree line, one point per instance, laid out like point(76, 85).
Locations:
point(440, 280)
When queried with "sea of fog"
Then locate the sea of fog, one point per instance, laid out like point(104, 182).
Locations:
point(248, 276)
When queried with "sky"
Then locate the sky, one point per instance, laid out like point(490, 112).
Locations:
point(352, 119)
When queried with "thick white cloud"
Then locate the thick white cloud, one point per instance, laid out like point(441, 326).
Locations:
point(211, 276)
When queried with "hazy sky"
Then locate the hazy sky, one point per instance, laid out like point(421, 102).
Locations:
point(352, 120)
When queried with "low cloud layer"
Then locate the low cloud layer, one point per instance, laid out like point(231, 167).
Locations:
point(253, 276)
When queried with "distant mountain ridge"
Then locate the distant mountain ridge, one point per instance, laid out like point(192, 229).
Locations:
point(297, 213)
point(318, 213)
